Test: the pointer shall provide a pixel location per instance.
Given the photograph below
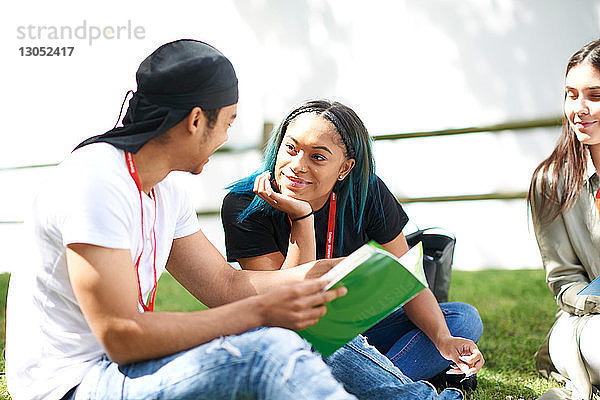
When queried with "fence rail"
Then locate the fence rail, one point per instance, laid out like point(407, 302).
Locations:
point(402, 200)
point(508, 126)
point(465, 197)
point(432, 199)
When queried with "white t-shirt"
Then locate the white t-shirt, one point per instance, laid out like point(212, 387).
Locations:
point(91, 199)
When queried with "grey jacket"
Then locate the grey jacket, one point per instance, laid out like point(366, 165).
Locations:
point(570, 251)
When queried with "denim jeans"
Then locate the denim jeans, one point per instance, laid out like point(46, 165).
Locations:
point(368, 374)
point(268, 363)
point(411, 350)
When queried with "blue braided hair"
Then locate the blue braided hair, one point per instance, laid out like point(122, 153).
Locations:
point(352, 191)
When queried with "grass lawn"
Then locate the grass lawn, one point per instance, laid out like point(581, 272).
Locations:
point(516, 307)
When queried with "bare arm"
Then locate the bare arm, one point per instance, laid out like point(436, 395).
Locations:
point(105, 286)
point(267, 262)
point(424, 311)
point(302, 246)
point(203, 271)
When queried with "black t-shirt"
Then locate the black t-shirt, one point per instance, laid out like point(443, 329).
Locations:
point(261, 233)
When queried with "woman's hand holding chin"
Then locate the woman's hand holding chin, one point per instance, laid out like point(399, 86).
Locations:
point(293, 207)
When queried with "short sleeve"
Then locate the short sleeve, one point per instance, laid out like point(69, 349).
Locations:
point(187, 220)
point(254, 236)
point(96, 211)
point(385, 217)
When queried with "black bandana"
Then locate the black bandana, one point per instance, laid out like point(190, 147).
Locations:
point(177, 77)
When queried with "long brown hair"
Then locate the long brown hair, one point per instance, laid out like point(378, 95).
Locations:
point(559, 178)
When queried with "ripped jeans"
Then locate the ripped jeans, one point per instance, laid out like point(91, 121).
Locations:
point(267, 363)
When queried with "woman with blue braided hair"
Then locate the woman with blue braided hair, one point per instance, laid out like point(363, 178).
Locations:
point(317, 196)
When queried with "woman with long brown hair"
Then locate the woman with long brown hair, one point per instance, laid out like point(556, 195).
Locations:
point(564, 197)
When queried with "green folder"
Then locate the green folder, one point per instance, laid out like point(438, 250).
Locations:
point(377, 282)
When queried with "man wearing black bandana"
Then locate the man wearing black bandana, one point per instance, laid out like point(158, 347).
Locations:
point(80, 320)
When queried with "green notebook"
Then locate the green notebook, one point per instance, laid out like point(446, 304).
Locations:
point(378, 283)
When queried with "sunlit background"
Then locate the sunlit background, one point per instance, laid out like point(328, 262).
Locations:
point(404, 66)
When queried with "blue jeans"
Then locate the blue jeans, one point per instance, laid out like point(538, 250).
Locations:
point(271, 363)
point(268, 363)
point(368, 374)
point(411, 350)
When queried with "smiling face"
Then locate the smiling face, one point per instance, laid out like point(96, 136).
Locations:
point(582, 102)
point(310, 160)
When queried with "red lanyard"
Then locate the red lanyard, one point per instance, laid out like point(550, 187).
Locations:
point(136, 178)
point(330, 226)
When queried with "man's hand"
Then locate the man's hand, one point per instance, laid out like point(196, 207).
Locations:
point(297, 306)
point(467, 358)
point(105, 286)
point(293, 207)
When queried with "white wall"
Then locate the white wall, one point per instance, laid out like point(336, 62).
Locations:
point(403, 66)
